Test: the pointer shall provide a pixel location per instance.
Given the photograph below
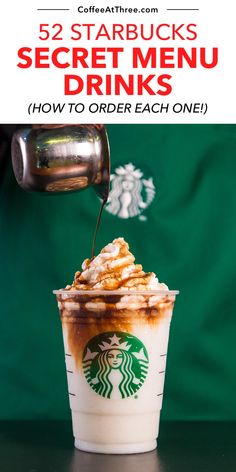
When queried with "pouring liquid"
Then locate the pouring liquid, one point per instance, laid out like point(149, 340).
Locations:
point(104, 201)
point(98, 225)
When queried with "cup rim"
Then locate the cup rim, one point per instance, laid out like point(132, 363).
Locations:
point(115, 292)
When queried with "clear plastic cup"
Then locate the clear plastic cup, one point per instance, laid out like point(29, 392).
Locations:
point(115, 350)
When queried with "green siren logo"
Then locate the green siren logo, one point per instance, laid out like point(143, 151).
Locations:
point(115, 364)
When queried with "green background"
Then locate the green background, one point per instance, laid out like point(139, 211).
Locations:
point(188, 239)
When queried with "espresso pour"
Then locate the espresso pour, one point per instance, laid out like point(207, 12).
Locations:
point(56, 159)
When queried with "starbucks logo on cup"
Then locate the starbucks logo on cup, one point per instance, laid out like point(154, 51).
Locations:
point(115, 364)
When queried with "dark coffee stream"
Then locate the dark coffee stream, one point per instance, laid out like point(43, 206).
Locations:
point(98, 225)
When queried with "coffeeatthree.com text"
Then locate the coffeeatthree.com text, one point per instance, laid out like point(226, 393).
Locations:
point(115, 9)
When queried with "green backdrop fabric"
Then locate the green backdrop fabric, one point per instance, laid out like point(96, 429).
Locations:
point(187, 235)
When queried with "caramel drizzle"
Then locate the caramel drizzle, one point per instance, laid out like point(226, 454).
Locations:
point(98, 226)
point(115, 283)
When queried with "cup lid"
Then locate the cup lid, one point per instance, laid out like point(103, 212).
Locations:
point(115, 292)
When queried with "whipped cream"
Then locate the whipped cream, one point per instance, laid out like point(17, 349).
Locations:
point(115, 269)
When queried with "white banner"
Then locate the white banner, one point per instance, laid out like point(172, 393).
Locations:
point(166, 61)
